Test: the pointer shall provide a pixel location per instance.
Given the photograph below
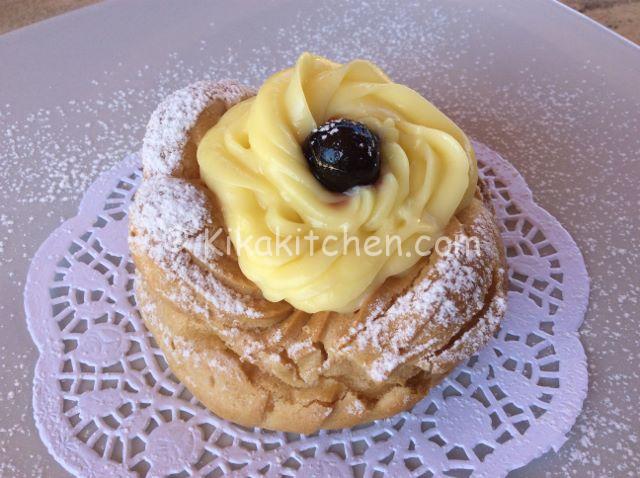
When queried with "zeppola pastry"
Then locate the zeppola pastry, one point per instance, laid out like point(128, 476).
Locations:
point(316, 254)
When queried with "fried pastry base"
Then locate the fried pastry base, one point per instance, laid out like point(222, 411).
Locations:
point(260, 363)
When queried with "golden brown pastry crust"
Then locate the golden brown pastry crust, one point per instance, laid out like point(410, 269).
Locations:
point(267, 364)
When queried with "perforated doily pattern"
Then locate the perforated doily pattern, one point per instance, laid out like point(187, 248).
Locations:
point(107, 405)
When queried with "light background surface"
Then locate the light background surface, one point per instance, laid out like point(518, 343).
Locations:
point(551, 91)
point(622, 16)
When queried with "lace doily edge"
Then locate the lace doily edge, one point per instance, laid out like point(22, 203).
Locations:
point(36, 295)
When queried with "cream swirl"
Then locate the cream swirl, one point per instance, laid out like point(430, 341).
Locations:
point(252, 160)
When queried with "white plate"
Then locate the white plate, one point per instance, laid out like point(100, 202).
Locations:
point(549, 89)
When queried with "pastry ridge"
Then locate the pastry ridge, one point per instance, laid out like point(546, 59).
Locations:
point(266, 364)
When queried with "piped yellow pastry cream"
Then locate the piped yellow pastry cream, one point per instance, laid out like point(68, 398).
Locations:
point(274, 207)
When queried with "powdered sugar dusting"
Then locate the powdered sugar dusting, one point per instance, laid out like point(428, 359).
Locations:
point(168, 128)
point(399, 334)
point(356, 407)
point(299, 348)
point(170, 211)
point(167, 213)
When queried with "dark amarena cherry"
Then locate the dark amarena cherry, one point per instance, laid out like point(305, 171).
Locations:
point(342, 154)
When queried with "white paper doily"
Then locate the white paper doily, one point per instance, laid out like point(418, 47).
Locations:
point(106, 404)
